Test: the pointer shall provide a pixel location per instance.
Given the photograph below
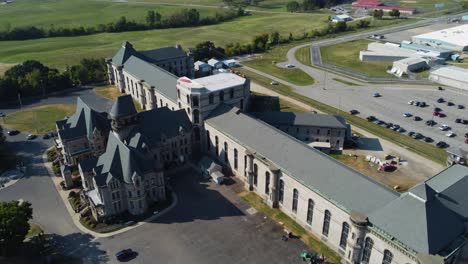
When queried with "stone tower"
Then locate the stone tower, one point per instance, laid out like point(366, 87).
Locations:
point(124, 117)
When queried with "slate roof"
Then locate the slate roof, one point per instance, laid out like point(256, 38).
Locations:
point(83, 122)
point(338, 183)
point(162, 80)
point(125, 52)
point(120, 162)
point(301, 119)
point(157, 55)
point(123, 107)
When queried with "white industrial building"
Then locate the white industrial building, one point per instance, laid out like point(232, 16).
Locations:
point(385, 52)
point(455, 38)
point(410, 64)
point(452, 76)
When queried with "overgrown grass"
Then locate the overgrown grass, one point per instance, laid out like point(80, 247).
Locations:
point(303, 55)
point(38, 120)
point(111, 92)
point(346, 56)
point(346, 82)
point(416, 146)
point(278, 216)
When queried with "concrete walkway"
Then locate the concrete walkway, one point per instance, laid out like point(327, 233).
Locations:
point(76, 216)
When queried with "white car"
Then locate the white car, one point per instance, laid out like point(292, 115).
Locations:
point(274, 83)
point(450, 134)
point(444, 127)
point(290, 66)
point(407, 114)
point(411, 102)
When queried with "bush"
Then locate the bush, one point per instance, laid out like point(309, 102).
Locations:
point(92, 225)
point(72, 194)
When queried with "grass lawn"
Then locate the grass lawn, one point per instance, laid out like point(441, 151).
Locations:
point(38, 120)
point(288, 223)
point(419, 147)
point(112, 93)
point(33, 230)
point(346, 56)
point(345, 82)
point(63, 51)
point(303, 55)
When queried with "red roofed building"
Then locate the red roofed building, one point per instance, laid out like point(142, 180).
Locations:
point(376, 4)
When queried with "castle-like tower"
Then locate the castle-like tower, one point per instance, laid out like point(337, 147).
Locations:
point(124, 117)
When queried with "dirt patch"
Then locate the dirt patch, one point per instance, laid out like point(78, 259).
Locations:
point(4, 67)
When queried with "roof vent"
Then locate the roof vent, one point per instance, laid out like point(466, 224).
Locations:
point(238, 111)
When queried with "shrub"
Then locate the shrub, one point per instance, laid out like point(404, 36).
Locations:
point(72, 194)
point(92, 225)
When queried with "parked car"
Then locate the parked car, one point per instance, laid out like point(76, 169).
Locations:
point(417, 136)
point(379, 122)
point(464, 121)
point(450, 104)
point(411, 133)
point(422, 104)
point(290, 66)
point(450, 134)
point(466, 135)
point(407, 114)
point(31, 137)
point(428, 139)
point(460, 106)
point(2, 114)
point(274, 83)
point(439, 114)
point(431, 122)
point(444, 127)
point(458, 120)
point(401, 130)
point(417, 103)
point(45, 136)
point(442, 144)
point(437, 109)
point(388, 125)
point(124, 254)
point(395, 127)
point(353, 112)
point(411, 102)
point(440, 100)
point(13, 132)
point(417, 118)
point(466, 141)
point(371, 118)
point(376, 95)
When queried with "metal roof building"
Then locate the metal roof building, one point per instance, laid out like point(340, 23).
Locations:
point(451, 76)
point(455, 38)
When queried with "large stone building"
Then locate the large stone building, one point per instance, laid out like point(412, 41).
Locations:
point(356, 216)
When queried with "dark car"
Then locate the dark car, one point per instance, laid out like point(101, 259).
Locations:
point(441, 115)
point(422, 104)
point(458, 120)
point(417, 118)
point(411, 133)
point(354, 112)
point(442, 144)
point(2, 114)
point(464, 121)
point(380, 122)
point(417, 103)
point(389, 125)
point(431, 122)
point(428, 139)
point(371, 118)
point(45, 136)
point(450, 104)
point(466, 135)
point(124, 254)
point(460, 106)
point(13, 132)
point(440, 100)
point(417, 136)
point(437, 109)
point(395, 127)
point(401, 130)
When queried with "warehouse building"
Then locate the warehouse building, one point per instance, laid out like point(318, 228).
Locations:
point(451, 76)
point(455, 38)
point(385, 52)
point(427, 50)
point(407, 65)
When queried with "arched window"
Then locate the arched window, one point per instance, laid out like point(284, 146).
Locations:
point(281, 191)
point(387, 257)
point(221, 96)
point(188, 99)
point(235, 159)
point(310, 211)
point(196, 116)
point(326, 223)
point(211, 98)
point(295, 200)
point(195, 100)
point(245, 165)
point(208, 140)
point(231, 93)
point(267, 182)
point(178, 93)
point(344, 235)
point(226, 158)
point(368, 245)
point(216, 146)
point(180, 106)
point(255, 175)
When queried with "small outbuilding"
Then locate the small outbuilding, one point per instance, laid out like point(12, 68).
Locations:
point(210, 169)
point(202, 66)
point(230, 63)
point(216, 64)
point(410, 64)
point(341, 18)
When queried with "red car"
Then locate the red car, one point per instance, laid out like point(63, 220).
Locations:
point(466, 140)
point(439, 114)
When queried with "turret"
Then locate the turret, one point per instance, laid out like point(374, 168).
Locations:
point(124, 116)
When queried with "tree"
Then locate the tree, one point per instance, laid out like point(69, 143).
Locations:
point(275, 38)
point(293, 6)
point(260, 42)
point(206, 50)
point(341, 26)
point(14, 226)
point(378, 13)
point(152, 18)
point(363, 23)
point(394, 13)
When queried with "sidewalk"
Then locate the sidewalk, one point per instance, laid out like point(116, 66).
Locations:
point(76, 216)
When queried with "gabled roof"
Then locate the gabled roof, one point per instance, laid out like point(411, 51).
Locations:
point(426, 226)
point(83, 122)
point(123, 107)
point(163, 81)
point(157, 55)
point(346, 188)
point(301, 119)
point(125, 52)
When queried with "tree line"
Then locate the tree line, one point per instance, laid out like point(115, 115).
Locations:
point(311, 5)
point(32, 78)
point(153, 20)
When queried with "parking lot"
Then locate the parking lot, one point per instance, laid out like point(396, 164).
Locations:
point(393, 103)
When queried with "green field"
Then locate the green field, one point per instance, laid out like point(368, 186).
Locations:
point(303, 55)
point(59, 52)
point(346, 56)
